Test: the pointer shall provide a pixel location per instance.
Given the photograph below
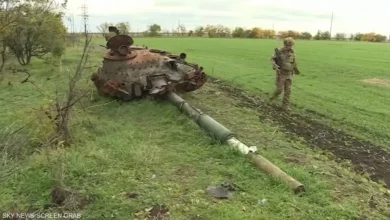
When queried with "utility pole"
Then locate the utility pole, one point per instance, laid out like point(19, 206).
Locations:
point(331, 24)
point(85, 17)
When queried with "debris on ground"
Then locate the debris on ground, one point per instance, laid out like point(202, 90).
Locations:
point(262, 201)
point(222, 191)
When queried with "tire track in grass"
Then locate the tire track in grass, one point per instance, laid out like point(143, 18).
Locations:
point(365, 156)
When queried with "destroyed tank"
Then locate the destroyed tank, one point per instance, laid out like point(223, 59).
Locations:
point(131, 72)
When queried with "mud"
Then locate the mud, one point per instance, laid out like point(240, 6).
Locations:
point(365, 157)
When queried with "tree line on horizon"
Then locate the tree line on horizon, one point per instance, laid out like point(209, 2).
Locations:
point(221, 31)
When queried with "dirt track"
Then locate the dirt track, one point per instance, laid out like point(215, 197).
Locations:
point(365, 156)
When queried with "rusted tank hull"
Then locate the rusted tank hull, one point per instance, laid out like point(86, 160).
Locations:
point(130, 72)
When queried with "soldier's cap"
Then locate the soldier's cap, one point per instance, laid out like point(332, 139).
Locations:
point(112, 28)
point(183, 55)
point(289, 41)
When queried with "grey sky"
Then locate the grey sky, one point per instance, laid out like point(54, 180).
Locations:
point(300, 15)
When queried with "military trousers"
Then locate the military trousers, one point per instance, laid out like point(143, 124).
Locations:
point(283, 84)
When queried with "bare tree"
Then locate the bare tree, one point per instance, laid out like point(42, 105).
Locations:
point(123, 27)
point(182, 29)
point(103, 28)
point(63, 108)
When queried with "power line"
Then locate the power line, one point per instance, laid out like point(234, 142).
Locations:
point(85, 17)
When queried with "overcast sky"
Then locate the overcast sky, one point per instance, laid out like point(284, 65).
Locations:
point(300, 15)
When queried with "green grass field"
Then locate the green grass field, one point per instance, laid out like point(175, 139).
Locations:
point(329, 84)
point(151, 149)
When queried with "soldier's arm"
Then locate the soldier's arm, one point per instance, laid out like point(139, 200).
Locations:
point(273, 59)
point(296, 71)
point(295, 61)
point(273, 63)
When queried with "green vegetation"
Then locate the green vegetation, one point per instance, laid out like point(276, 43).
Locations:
point(66, 149)
point(330, 83)
point(123, 27)
point(151, 149)
point(221, 31)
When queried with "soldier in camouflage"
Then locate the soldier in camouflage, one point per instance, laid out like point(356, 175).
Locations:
point(182, 58)
point(112, 31)
point(285, 66)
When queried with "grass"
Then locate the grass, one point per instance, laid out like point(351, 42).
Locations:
point(329, 84)
point(150, 148)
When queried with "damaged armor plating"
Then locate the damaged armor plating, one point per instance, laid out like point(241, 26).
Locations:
point(130, 72)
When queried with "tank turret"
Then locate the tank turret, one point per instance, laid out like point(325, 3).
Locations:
point(130, 72)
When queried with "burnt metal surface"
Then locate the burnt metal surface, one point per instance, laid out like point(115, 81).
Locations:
point(129, 72)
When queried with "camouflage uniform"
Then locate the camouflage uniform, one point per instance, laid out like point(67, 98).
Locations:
point(110, 35)
point(284, 72)
point(113, 31)
point(182, 58)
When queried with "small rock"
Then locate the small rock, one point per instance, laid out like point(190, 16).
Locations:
point(262, 201)
point(219, 192)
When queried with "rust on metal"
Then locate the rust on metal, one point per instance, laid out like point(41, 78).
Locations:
point(129, 72)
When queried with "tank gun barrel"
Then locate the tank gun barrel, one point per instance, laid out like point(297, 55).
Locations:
point(224, 135)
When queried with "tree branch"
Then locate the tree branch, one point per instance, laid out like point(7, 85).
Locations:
point(15, 70)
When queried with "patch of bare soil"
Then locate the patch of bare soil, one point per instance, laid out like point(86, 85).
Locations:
point(365, 156)
point(67, 198)
point(155, 212)
point(377, 81)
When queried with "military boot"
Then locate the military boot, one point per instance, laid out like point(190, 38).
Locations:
point(274, 96)
point(286, 108)
point(286, 104)
point(271, 99)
